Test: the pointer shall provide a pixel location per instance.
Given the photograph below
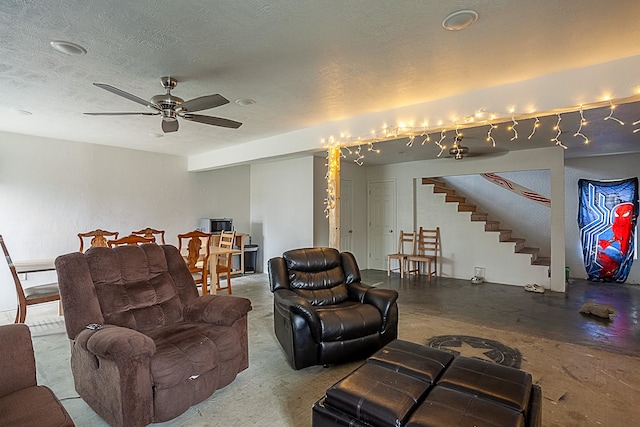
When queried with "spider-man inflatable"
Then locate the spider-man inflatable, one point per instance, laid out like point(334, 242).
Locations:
point(607, 220)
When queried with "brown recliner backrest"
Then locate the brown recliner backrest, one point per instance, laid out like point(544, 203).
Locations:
point(321, 275)
point(137, 287)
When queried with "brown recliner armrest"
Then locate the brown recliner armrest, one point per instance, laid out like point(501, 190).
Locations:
point(116, 343)
point(221, 310)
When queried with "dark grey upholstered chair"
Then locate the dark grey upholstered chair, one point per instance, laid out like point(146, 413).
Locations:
point(323, 314)
point(161, 347)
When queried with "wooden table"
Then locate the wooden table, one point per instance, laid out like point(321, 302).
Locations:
point(34, 265)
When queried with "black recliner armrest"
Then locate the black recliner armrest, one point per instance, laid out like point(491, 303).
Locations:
point(287, 301)
point(382, 299)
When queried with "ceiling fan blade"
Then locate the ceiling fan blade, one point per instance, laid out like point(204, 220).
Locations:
point(215, 121)
point(204, 103)
point(169, 126)
point(127, 95)
point(122, 114)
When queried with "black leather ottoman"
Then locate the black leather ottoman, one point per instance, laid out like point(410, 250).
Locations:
point(406, 384)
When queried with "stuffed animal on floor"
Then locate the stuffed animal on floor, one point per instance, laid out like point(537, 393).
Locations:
point(601, 310)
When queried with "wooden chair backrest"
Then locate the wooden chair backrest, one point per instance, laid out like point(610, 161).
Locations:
point(407, 239)
point(429, 241)
point(98, 238)
point(14, 273)
point(227, 240)
point(132, 239)
point(150, 233)
point(194, 246)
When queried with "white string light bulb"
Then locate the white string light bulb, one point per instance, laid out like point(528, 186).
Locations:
point(513, 127)
point(583, 122)
point(439, 143)
point(359, 156)
point(410, 142)
point(536, 125)
point(557, 137)
point(636, 123)
point(426, 139)
point(489, 137)
point(610, 116)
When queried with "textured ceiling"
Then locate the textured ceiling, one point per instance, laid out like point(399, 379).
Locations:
point(304, 62)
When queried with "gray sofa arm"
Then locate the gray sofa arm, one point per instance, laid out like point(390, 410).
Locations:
point(221, 310)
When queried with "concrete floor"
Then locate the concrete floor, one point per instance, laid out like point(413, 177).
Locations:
point(550, 315)
point(270, 393)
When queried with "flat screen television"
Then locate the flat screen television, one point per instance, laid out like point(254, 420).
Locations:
point(216, 225)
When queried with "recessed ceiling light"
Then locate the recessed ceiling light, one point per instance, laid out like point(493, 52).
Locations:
point(460, 20)
point(20, 112)
point(68, 48)
point(245, 102)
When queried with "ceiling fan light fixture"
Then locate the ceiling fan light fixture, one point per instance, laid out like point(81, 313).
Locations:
point(68, 48)
point(245, 102)
point(459, 20)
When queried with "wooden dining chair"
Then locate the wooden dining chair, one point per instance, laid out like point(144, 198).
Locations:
point(195, 249)
point(224, 262)
point(151, 233)
point(31, 295)
point(427, 253)
point(406, 247)
point(98, 238)
point(131, 239)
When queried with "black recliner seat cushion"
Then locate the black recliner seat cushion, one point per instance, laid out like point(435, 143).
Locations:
point(348, 320)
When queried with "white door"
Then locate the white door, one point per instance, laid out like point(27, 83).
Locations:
point(382, 223)
point(346, 215)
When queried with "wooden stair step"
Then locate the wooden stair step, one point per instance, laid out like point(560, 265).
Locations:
point(518, 241)
point(531, 251)
point(505, 235)
point(433, 181)
point(479, 216)
point(542, 260)
point(491, 225)
point(445, 190)
point(452, 199)
point(466, 208)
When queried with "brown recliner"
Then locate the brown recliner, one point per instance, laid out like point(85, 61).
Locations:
point(145, 345)
point(22, 401)
point(322, 313)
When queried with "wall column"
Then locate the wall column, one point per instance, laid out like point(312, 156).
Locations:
point(333, 195)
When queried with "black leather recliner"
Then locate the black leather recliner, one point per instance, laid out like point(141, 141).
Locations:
point(323, 314)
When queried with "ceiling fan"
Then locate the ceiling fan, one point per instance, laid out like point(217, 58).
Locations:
point(457, 150)
point(171, 107)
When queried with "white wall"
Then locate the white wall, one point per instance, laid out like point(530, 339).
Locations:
point(225, 193)
point(596, 168)
point(282, 207)
point(50, 190)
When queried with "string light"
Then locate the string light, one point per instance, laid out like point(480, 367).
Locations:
point(583, 122)
point(513, 126)
point(426, 139)
point(636, 123)
point(610, 116)
point(489, 137)
point(371, 149)
point(410, 142)
point(359, 156)
point(536, 125)
point(557, 137)
point(439, 143)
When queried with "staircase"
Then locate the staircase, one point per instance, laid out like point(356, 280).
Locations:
point(489, 226)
